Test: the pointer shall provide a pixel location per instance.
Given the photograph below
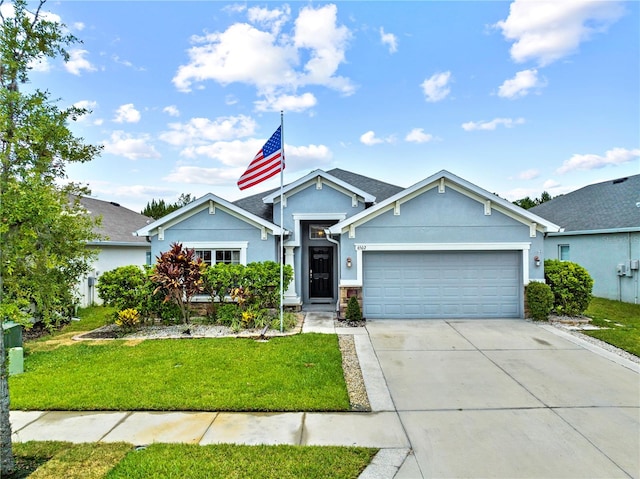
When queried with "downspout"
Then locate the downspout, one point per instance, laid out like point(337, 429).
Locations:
point(327, 234)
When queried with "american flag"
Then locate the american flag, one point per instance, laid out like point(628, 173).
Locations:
point(265, 164)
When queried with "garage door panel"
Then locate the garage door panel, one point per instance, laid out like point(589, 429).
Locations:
point(442, 284)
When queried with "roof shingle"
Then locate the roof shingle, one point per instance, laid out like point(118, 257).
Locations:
point(608, 205)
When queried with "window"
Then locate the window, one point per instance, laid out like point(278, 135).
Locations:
point(316, 232)
point(228, 256)
point(563, 252)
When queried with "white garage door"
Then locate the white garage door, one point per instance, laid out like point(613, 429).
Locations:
point(413, 285)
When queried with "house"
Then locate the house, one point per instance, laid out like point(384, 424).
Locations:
point(118, 248)
point(601, 232)
point(442, 248)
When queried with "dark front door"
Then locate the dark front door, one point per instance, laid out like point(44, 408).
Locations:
point(320, 272)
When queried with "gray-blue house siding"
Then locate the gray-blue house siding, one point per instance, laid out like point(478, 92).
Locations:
point(345, 234)
point(601, 232)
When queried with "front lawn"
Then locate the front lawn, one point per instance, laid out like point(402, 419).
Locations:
point(113, 461)
point(622, 321)
point(295, 373)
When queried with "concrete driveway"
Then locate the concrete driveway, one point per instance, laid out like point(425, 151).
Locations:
point(509, 399)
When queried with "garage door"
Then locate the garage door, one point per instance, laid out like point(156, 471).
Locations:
point(412, 285)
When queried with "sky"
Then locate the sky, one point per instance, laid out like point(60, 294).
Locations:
point(516, 97)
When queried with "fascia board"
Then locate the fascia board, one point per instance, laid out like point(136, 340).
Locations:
point(595, 232)
point(200, 204)
point(456, 183)
point(301, 184)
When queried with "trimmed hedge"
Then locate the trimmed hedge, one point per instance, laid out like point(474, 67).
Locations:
point(571, 285)
point(539, 300)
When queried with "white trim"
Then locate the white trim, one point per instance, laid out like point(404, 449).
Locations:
point(360, 248)
point(220, 245)
point(318, 176)
point(299, 217)
point(441, 180)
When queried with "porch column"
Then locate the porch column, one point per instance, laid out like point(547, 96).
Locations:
point(291, 298)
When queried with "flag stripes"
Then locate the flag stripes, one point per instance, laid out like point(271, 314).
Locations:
point(267, 162)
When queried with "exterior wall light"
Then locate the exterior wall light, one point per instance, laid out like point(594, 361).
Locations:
point(349, 262)
point(537, 260)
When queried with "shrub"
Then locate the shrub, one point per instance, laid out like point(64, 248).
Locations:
point(128, 318)
point(353, 312)
point(122, 287)
point(178, 274)
point(570, 284)
point(539, 300)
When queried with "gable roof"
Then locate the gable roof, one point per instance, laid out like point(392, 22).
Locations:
point(610, 205)
point(443, 179)
point(375, 188)
point(367, 197)
point(118, 223)
point(209, 200)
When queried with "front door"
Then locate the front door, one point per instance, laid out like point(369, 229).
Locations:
point(320, 272)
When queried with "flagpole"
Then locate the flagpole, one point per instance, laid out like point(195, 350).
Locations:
point(281, 222)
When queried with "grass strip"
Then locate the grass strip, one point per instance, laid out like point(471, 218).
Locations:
point(295, 373)
point(53, 460)
point(622, 321)
point(233, 461)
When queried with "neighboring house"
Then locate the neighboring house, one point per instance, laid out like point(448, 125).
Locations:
point(119, 246)
point(601, 232)
point(442, 248)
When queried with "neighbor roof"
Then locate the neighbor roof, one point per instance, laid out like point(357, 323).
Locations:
point(610, 205)
point(255, 204)
point(118, 223)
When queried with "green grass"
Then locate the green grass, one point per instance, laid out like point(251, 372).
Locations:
point(622, 321)
point(294, 373)
point(48, 460)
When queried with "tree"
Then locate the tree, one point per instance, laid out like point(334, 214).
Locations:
point(158, 209)
point(43, 227)
point(528, 203)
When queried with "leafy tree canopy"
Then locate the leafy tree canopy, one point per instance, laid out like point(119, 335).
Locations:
point(156, 209)
point(528, 202)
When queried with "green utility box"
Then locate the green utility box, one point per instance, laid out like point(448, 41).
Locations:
point(12, 335)
point(16, 361)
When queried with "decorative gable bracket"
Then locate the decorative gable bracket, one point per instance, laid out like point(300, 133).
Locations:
point(532, 230)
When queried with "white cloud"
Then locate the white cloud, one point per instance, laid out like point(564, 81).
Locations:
point(369, 138)
point(492, 125)
point(204, 176)
point(613, 157)
point(268, 60)
point(550, 185)
point(171, 110)
point(40, 65)
point(546, 31)
point(390, 40)
point(289, 103)
point(239, 153)
point(305, 157)
point(436, 87)
point(123, 144)
point(272, 19)
point(528, 174)
point(127, 114)
point(87, 105)
point(417, 135)
point(521, 84)
point(198, 131)
point(79, 26)
point(77, 63)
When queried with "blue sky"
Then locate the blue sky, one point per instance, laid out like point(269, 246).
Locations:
point(517, 97)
